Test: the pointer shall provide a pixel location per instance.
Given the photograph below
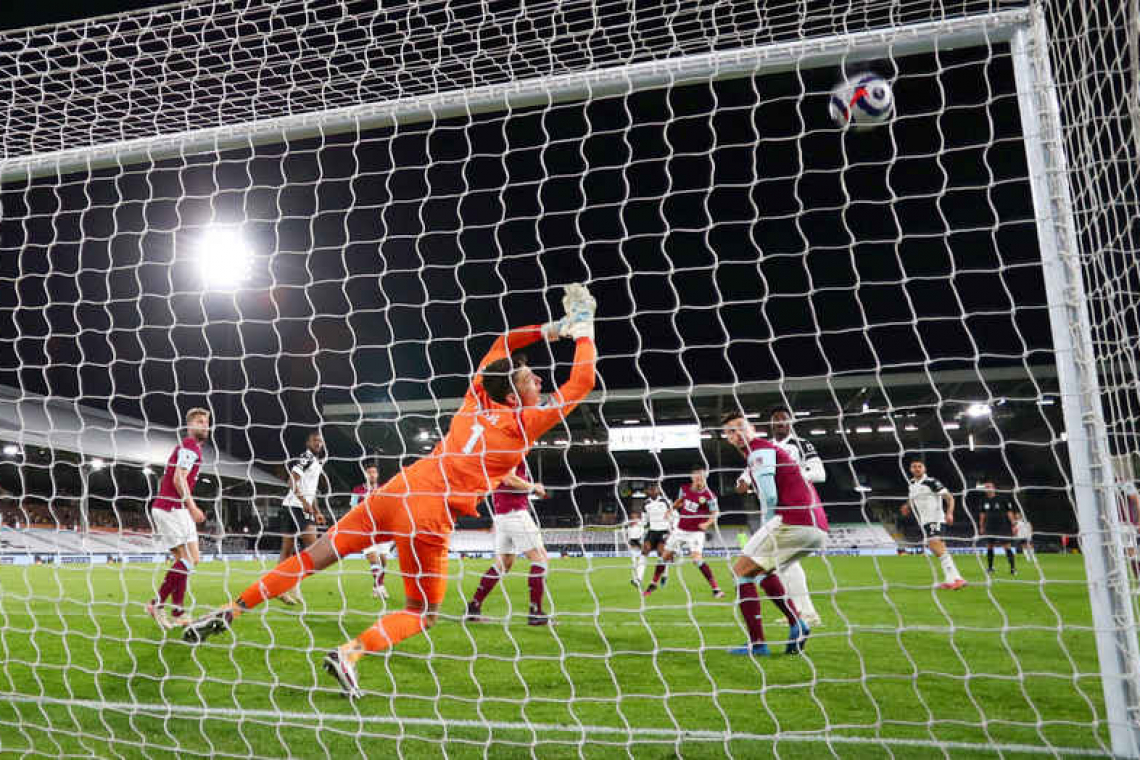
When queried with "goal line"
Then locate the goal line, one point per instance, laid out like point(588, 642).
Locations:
point(645, 734)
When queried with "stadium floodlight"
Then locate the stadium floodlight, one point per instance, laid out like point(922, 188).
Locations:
point(96, 463)
point(978, 410)
point(225, 259)
point(11, 450)
point(148, 470)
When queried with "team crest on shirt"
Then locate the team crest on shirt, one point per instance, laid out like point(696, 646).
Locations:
point(701, 500)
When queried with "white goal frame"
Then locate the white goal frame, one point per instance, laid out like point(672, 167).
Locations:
point(1092, 478)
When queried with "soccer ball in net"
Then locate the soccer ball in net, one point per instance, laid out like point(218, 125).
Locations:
point(862, 101)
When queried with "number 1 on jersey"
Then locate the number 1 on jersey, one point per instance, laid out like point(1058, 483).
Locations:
point(476, 434)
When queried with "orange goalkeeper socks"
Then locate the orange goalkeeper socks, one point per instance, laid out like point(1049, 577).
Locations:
point(278, 580)
point(391, 630)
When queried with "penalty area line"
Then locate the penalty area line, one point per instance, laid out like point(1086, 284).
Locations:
point(183, 712)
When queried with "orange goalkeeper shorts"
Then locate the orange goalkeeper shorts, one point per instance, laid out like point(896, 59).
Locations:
point(419, 524)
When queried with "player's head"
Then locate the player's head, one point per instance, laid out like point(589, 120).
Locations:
point(990, 490)
point(737, 429)
point(315, 442)
point(510, 381)
point(371, 473)
point(198, 423)
point(917, 468)
point(653, 490)
point(780, 421)
point(635, 515)
point(699, 476)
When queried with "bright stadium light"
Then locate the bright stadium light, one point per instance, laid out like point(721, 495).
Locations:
point(97, 463)
point(978, 410)
point(225, 260)
point(148, 470)
point(11, 450)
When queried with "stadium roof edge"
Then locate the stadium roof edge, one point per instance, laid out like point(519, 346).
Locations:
point(28, 419)
point(765, 387)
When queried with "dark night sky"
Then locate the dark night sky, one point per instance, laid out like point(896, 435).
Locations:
point(755, 244)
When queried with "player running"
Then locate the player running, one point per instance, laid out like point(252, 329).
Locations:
point(803, 452)
point(799, 529)
point(696, 508)
point(501, 418)
point(634, 529)
point(299, 515)
point(657, 517)
point(174, 514)
point(996, 519)
point(377, 554)
point(516, 533)
point(927, 499)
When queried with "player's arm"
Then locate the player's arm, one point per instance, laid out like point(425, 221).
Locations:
point(537, 421)
point(813, 469)
point(295, 487)
point(515, 483)
point(982, 522)
point(743, 483)
point(714, 508)
point(182, 486)
point(948, 504)
point(905, 508)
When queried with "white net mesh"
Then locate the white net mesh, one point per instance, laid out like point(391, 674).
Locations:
point(409, 183)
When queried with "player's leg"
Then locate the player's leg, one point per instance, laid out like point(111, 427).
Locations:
point(795, 581)
point(536, 583)
point(504, 561)
point(664, 557)
point(505, 552)
point(706, 571)
point(176, 530)
point(352, 533)
point(1009, 557)
point(423, 564)
point(378, 566)
point(156, 607)
point(952, 578)
point(989, 556)
point(190, 556)
point(304, 539)
point(637, 553)
point(748, 602)
point(772, 550)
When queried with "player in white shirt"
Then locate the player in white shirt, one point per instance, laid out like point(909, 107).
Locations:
point(928, 499)
point(657, 517)
point(804, 453)
point(301, 516)
point(1023, 536)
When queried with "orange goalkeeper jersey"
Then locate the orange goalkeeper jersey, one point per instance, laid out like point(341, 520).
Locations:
point(487, 440)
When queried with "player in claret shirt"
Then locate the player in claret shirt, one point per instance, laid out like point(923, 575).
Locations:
point(696, 508)
point(799, 529)
point(502, 416)
point(174, 515)
point(377, 554)
point(516, 533)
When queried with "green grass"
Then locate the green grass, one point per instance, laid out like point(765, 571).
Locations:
point(895, 661)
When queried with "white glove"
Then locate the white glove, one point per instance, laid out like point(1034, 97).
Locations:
point(579, 306)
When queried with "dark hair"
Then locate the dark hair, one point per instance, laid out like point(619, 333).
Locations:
point(915, 458)
point(729, 416)
point(698, 467)
point(311, 433)
point(371, 466)
point(779, 408)
point(498, 377)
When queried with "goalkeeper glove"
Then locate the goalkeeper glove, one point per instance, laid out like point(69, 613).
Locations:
point(579, 306)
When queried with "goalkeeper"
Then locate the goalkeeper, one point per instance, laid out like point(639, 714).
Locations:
point(501, 418)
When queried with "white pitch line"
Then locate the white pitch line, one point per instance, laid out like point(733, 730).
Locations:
point(670, 734)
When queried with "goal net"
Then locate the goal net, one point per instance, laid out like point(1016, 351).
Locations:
point(317, 215)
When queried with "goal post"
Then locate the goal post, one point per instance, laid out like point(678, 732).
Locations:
point(892, 669)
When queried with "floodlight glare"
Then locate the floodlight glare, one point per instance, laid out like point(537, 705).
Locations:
point(11, 450)
point(97, 464)
point(224, 258)
point(978, 410)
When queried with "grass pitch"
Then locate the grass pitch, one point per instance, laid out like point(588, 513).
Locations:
point(898, 670)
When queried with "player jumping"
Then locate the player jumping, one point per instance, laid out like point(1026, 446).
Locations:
point(696, 507)
point(174, 514)
point(516, 533)
point(501, 418)
point(377, 555)
point(799, 529)
point(927, 498)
